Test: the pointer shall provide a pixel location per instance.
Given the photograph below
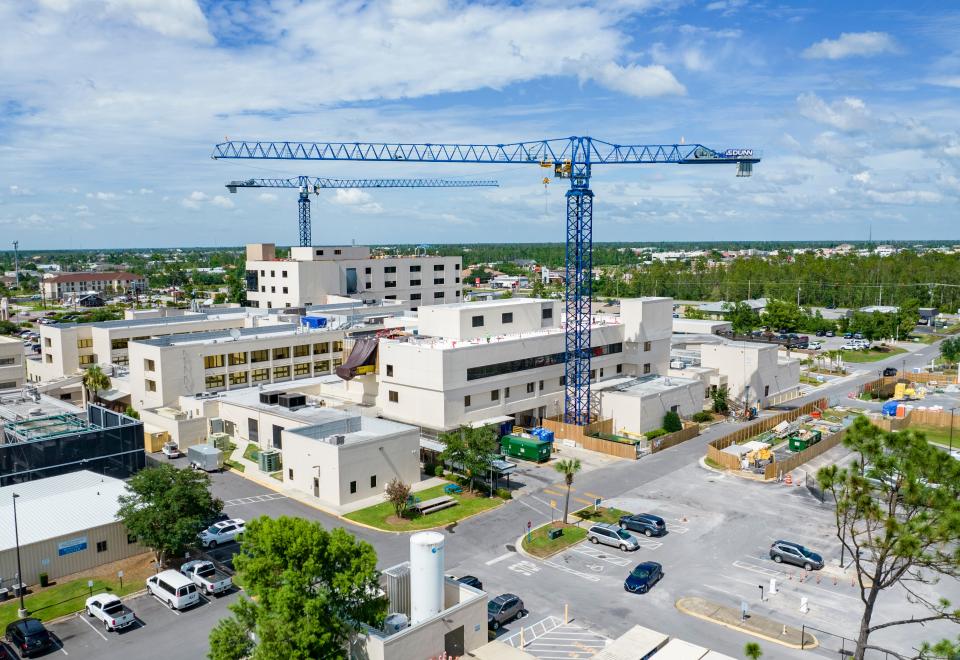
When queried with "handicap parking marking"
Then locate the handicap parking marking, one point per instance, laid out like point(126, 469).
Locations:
point(524, 567)
point(646, 544)
point(566, 641)
point(602, 555)
point(567, 569)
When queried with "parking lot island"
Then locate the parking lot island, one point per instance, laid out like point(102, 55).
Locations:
point(751, 624)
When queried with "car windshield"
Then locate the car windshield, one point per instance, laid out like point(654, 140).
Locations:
point(493, 607)
point(213, 529)
point(624, 534)
point(639, 572)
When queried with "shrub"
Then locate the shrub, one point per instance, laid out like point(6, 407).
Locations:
point(671, 422)
point(702, 416)
point(438, 470)
point(504, 494)
point(655, 433)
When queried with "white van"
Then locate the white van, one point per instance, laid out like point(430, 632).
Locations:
point(176, 590)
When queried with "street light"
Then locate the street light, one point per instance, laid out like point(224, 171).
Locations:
point(951, 429)
point(22, 612)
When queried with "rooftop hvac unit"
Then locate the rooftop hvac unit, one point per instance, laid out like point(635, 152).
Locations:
point(270, 398)
point(338, 439)
point(292, 400)
point(678, 364)
point(220, 440)
point(396, 622)
point(269, 460)
point(216, 425)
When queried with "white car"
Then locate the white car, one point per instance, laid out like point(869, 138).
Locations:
point(815, 346)
point(222, 532)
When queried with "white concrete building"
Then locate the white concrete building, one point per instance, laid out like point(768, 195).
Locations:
point(755, 372)
point(313, 273)
point(12, 370)
point(637, 405)
point(700, 327)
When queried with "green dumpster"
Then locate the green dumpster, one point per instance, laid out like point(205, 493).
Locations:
point(528, 448)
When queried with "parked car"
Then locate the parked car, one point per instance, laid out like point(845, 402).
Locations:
point(796, 554)
point(643, 577)
point(814, 346)
point(221, 532)
point(645, 523)
point(504, 609)
point(174, 589)
point(206, 576)
point(858, 335)
point(848, 335)
point(850, 346)
point(831, 333)
point(29, 637)
point(821, 333)
point(890, 371)
point(612, 535)
point(6, 653)
point(111, 611)
point(171, 450)
point(471, 581)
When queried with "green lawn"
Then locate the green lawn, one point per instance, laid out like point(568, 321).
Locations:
point(251, 453)
point(239, 467)
point(810, 381)
point(382, 515)
point(541, 545)
point(601, 515)
point(871, 355)
point(63, 599)
point(938, 435)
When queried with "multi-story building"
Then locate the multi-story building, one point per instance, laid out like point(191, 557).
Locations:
point(311, 274)
point(163, 369)
point(56, 286)
point(12, 371)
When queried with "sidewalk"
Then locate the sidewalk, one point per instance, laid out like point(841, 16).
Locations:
point(754, 624)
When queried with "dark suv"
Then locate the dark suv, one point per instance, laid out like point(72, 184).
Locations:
point(890, 371)
point(29, 637)
point(471, 581)
point(504, 609)
point(645, 523)
point(796, 554)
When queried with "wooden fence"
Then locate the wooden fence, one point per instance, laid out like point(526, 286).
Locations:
point(673, 439)
point(916, 417)
point(773, 470)
point(582, 435)
point(731, 462)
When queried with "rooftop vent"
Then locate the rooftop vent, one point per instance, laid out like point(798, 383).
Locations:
point(270, 398)
point(292, 400)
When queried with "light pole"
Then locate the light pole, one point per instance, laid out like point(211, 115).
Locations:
point(951, 429)
point(22, 612)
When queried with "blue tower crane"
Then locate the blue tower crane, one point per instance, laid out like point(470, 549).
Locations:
point(570, 158)
point(314, 185)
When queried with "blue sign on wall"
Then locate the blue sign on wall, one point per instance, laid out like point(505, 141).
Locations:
point(78, 544)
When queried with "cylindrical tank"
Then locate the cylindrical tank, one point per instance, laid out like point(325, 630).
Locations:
point(426, 576)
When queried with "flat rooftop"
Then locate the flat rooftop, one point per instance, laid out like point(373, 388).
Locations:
point(227, 336)
point(20, 404)
point(644, 385)
point(512, 302)
point(444, 343)
point(162, 321)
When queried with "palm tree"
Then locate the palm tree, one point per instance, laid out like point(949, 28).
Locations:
point(568, 468)
point(752, 650)
point(94, 381)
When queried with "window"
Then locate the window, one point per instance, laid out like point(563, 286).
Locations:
point(675, 409)
point(321, 367)
point(414, 296)
point(546, 313)
point(456, 280)
point(390, 370)
point(391, 284)
point(7, 361)
point(149, 365)
point(258, 375)
point(506, 392)
point(367, 270)
point(373, 481)
point(353, 487)
point(414, 282)
point(301, 369)
point(338, 346)
point(414, 269)
point(131, 538)
point(530, 388)
point(212, 361)
point(213, 382)
point(283, 273)
point(101, 546)
point(337, 361)
point(438, 294)
point(438, 280)
point(456, 266)
point(619, 368)
point(478, 321)
point(115, 344)
point(290, 474)
point(87, 359)
point(277, 437)
point(253, 429)
point(466, 401)
point(319, 253)
point(236, 358)
point(437, 267)
point(393, 396)
point(338, 251)
point(259, 356)
point(322, 348)
point(281, 372)
point(47, 342)
point(494, 395)
point(563, 381)
point(263, 289)
point(646, 368)
point(239, 378)
point(601, 372)
point(263, 273)
point(150, 385)
point(593, 374)
point(286, 290)
point(390, 269)
point(367, 285)
point(48, 358)
point(506, 317)
point(84, 343)
point(301, 350)
point(523, 364)
point(646, 346)
point(273, 289)
point(273, 273)
point(766, 390)
point(281, 353)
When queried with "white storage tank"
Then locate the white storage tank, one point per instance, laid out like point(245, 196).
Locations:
point(426, 576)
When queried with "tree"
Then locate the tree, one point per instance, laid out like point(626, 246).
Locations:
point(671, 422)
point(568, 468)
point(897, 514)
point(950, 349)
point(692, 312)
point(719, 397)
point(309, 591)
point(165, 508)
point(131, 412)
point(95, 381)
point(539, 289)
point(784, 315)
point(753, 651)
point(907, 317)
point(470, 450)
point(397, 494)
point(742, 317)
point(8, 328)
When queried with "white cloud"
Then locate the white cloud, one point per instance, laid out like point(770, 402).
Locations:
point(640, 81)
point(222, 202)
point(180, 19)
point(862, 177)
point(846, 114)
point(146, 191)
point(946, 81)
point(266, 197)
point(103, 196)
point(904, 196)
point(19, 191)
point(726, 6)
point(197, 196)
point(350, 196)
point(851, 44)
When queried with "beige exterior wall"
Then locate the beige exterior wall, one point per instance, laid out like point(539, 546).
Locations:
point(33, 556)
point(12, 359)
point(648, 325)
point(755, 365)
point(639, 413)
point(472, 321)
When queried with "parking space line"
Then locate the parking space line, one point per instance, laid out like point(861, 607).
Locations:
point(584, 501)
point(82, 616)
point(585, 576)
point(495, 560)
point(648, 545)
point(600, 554)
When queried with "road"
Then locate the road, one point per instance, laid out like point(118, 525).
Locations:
point(720, 529)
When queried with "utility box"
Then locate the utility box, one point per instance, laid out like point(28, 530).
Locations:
point(525, 447)
point(153, 442)
point(219, 440)
point(269, 460)
point(205, 457)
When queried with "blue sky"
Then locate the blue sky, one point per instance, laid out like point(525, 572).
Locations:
point(109, 110)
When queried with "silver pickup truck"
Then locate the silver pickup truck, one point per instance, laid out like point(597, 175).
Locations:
point(111, 611)
point(206, 576)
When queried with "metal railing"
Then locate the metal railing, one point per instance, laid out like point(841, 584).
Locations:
point(832, 645)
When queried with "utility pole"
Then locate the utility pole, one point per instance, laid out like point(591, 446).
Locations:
point(16, 262)
point(951, 430)
point(798, 296)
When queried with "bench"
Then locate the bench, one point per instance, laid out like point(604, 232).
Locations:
point(452, 489)
point(435, 504)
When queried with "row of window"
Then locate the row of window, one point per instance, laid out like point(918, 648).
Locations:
point(321, 368)
point(505, 318)
point(367, 270)
point(263, 355)
point(531, 387)
point(513, 366)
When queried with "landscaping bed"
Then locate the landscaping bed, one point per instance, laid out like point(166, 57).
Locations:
point(601, 515)
point(383, 516)
point(874, 354)
point(541, 545)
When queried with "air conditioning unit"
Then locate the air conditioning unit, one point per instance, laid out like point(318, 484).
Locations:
point(269, 460)
point(270, 398)
point(220, 440)
point(339, 439)
point(216, 425)
point(292, 400)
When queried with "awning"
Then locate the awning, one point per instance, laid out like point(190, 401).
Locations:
point(503, 467)
point(479, 424)
point(432, 445)
point(362, 359)
point(112, 395)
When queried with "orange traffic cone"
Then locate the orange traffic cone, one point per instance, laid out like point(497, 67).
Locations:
point(788, 479)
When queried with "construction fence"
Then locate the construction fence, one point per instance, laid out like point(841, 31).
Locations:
point(715, 449)
point(779, 468)
point(916, 417)
point(587, 437)
point(688, 432)
point(886, 384)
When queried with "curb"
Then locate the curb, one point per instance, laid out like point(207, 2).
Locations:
point(814, 644)
point(421, 529)
point(61, 619)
